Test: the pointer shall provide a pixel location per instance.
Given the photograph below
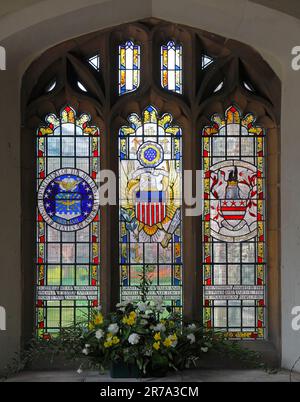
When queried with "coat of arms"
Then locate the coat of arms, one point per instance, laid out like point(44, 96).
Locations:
point(68, 199)
point(233, 200)
point(150, 190)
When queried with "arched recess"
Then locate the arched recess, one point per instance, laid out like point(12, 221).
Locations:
point(235, 74)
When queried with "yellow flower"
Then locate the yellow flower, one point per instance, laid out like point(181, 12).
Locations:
point(115, 340)
point(167, 342)
point(129, 320)
point(156, 345)
point(91, 326)
point(173, 337)
point(163, 321)
point(111, 340)
point(157, 336)
point(98, 319)
point(171, 323)
point(132, 315)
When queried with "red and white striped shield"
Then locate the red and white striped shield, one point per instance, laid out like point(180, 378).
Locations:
point(233, 211)
point(150, 207)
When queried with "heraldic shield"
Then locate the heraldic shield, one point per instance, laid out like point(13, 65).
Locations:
point(150, 207)
point(68, 200)
point(234, 200)
point(233, 209)
point(68, 205)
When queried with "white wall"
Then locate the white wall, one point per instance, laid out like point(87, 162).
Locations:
point(27, 33)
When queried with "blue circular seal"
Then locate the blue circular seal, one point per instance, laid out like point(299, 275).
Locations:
point(68, 199)
point(150, 154)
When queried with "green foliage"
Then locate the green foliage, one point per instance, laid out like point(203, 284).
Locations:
point(68, 344)
point(135, 334)
point(145, 281)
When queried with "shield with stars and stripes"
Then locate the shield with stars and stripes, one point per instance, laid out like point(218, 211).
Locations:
point(150, 207)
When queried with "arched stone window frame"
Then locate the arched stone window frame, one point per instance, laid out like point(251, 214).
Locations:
point(234, 63)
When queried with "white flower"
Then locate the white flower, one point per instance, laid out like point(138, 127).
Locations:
point(143, 322)
point(113, 328)
point(147, 314)
point(159, 328)
point(134, 339)
point(124, 303)
point(159, 305)
point(99, 334)
point(85, 351)
point(79, 371)
point(204, 349)
point(87, 345)
point(174, 344)
point(142, 306)
point(191, 338)
point(99, 308)
point(192, 327)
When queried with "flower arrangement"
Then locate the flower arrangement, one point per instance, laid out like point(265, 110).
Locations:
point(144, 337)
point(144, 334)
point(140, 338)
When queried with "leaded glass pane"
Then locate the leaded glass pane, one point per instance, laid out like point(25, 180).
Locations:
point(171, 67)
point(129, 67)
point(150, 206)
point(234, 225)
point(94, 61)
point(67, 221)
point(206, 61)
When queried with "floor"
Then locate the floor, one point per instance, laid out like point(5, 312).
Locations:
point(203, 375)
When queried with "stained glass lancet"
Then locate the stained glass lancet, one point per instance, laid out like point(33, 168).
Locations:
point(234, 225)
point(68, 220)
point(129, 67)
point(150, 206)
point(171, 67)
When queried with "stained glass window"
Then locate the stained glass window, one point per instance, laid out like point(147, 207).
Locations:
point(206, 61)
point(81, 86)
point(171, 67)
point(219, 87)
point(234, 225)
point(150, 206)
point(67, 235)
point(51, 86)
point(129, 67)
point(94, 61)
point(248, 86)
